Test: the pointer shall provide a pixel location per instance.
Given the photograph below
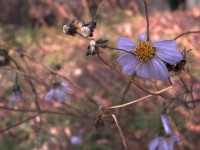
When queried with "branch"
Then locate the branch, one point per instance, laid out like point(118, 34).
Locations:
point(185, 33)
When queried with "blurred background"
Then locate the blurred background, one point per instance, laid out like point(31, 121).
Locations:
point(34, 27)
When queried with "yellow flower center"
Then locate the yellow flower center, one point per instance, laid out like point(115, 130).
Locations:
point(144, 51)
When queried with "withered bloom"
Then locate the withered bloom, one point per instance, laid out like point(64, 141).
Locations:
point(4, 57)
point(70, 28)
point(93, 47)
point(88, 28)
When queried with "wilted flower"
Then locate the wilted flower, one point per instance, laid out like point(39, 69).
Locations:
point(76, 140)
point(4, 57)
point(17, 94)
point(58, 92)
point(93, 47)
point(148, 58)
point(70, 28)
point(88, 28)
point(159, 143)
point(166, 124)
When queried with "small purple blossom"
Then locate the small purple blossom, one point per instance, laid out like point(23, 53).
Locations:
point(166, 124)
point(17, 96)
point(58, 92)
point(173, 139)
point(148, 58)
point(159, 143)
point(76, 140)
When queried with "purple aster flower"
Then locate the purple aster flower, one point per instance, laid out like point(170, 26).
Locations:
point(75, 140)
point(173, 139)
point(166, 124)
point(148, 58)
point(58, 92)
point(17, 94)
point(158, 143)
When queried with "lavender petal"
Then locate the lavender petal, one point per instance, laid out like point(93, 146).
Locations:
point(126, 44)
point(162, 144)
point(167, 51)
point(166, 124)
point(142, 37)
point(50, 95)
point(154, 143)
point(66, 87)
point(144, 71)
point(172, 141)
point(128, 63)
point(60, 95)
point(158, 69)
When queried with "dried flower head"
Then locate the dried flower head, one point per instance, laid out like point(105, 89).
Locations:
point(88, 28)
point(147, 58)
point(70, 28)
point(93, 48)
point(4, 57)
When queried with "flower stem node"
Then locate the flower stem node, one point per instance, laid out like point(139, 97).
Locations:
point(70, 28)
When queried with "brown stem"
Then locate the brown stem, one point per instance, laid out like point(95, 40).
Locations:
point(117, 49)
point(19, 123)
point(126, 90)
point(119, 130)
point(185, 33)
point(99, 8)
point(147, 19)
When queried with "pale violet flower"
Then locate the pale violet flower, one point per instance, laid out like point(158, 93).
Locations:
point(17, 94)
point(173, 139)
point(76, 140)
point(146, 58)
point(166, 124)
point(58, 92)
point(159, 143)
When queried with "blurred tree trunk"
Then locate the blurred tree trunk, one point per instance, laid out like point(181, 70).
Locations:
point(192, 3)
point(86, 10)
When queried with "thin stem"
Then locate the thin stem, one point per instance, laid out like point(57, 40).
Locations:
point(140, 99)
point(147, 19)
point(19, 123)
point(117, 49)
point(185, 33)
point(119, 130)
point(44, 112)
point(99, 9)
point(126, 90)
